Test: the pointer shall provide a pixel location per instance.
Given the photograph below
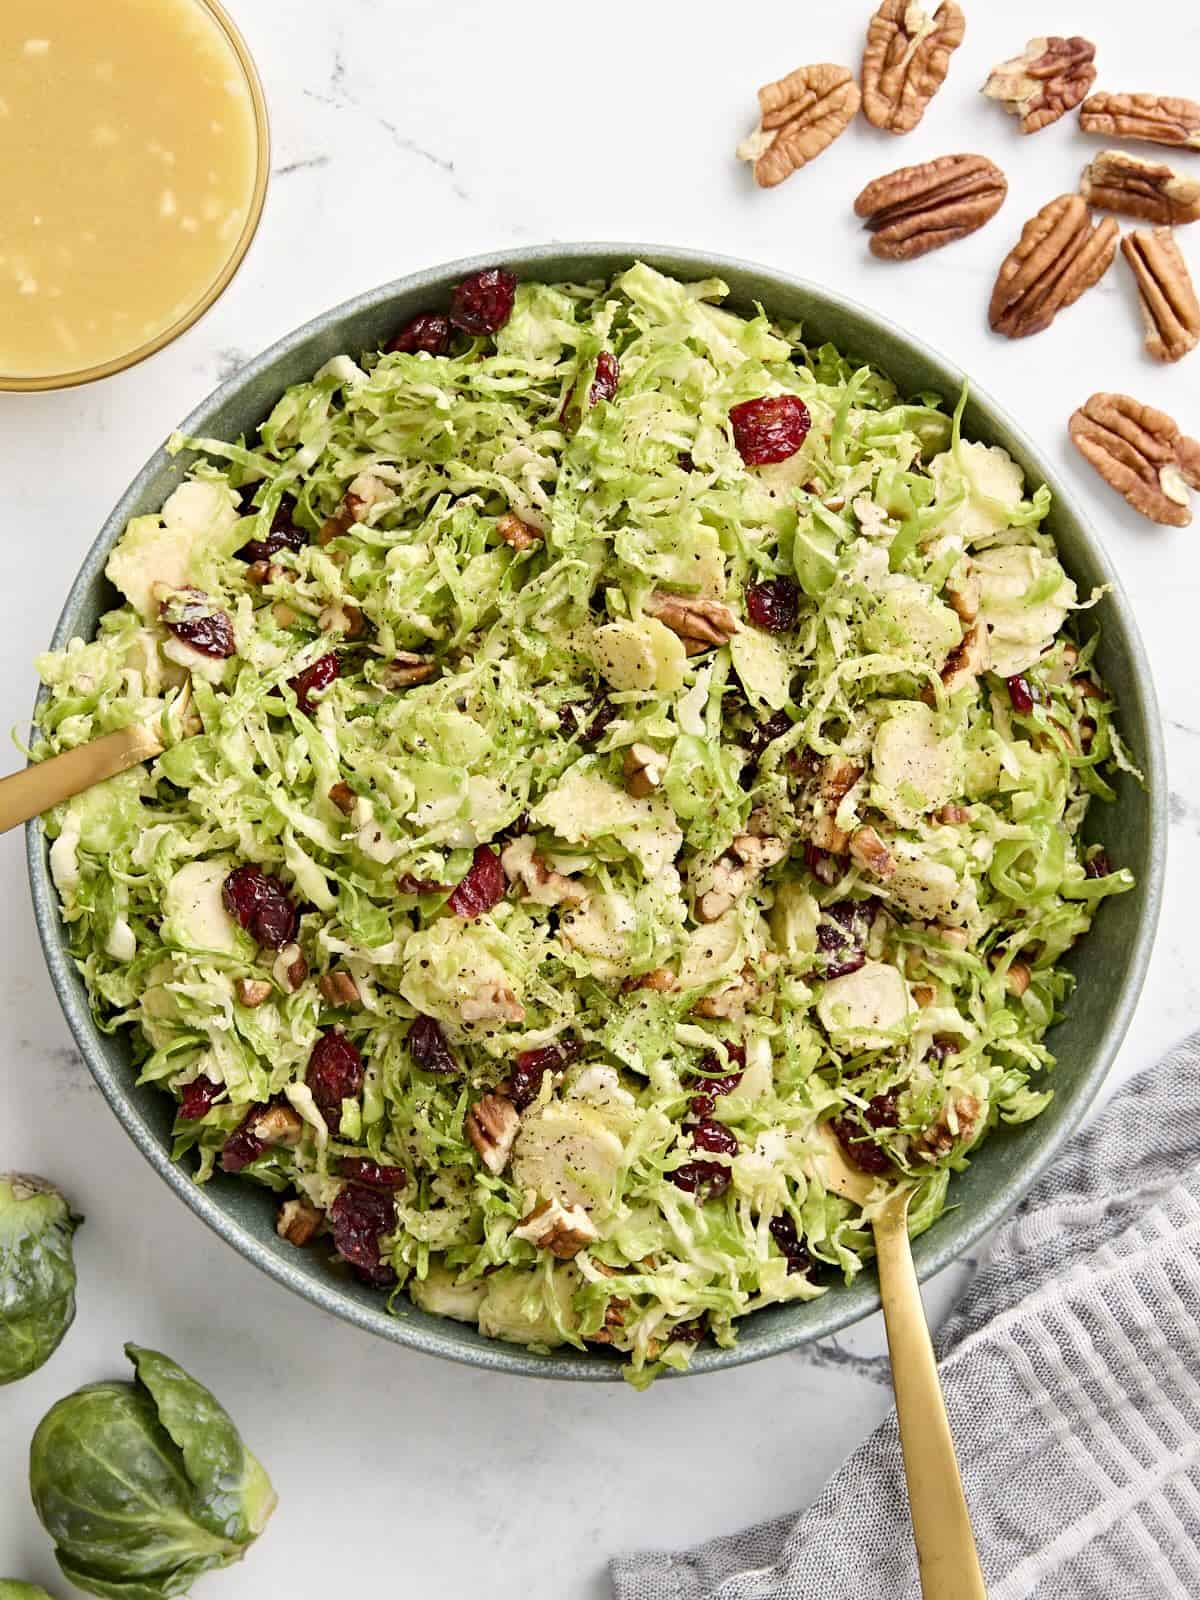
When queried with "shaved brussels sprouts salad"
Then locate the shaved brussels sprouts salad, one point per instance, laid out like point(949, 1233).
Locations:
point(613, 749)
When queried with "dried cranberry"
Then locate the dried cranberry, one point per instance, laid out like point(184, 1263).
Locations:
point(243, 1145)
point(360, 1218)
point(775, 726)
point(771, 428)
point(530, 1067)
point(283, 535)
point(685, 460)
point(608, 375)
point(190, 617)
point(335, 1073)
point(688, 1332)
point(196, 1099)
point(428, 1048)
point(428, 331)
point(709, 1090)
point(587, 719)
point(939, 1049)
point(881, 1112)
point(361, 1170)
point(407, 884)
point(783, 1231)
point(483, 302)
point(483, 887)
point(774, 604)
point(262, 905)
point(1097, 866)
point(1020, 695)
point(710, 1062)
point(709, 1176)
point(313, 680)
point(821, 864)
point(842, 937)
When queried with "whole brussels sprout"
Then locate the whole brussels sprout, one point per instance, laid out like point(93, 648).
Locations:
point(143, 1486)
point(37, 1273)
point(10, 1589)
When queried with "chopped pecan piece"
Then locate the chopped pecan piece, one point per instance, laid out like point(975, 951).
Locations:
point(1140, 453)
point(701, 624)
point(343, 797)
point(963, 592)
point(406, 668)
point(290, 968)
point(343, 618)
point(905, 60)
point(491, 1125)
point(492, 1002)
point(1151, 190)
point(956, 1124)
point(339, 989)
point(967, 660)
point(561, 1230)
point(799, 116)
point(1154, 118)
point(661, 980)
point(730, 1001)
point(278, 1125)
point(951, 814)
point(838, 777)
point(1058, 256)
point(869, 850)
point(644, 770)
point(298, 1222)
point(516, 533)
point(364, 492)
point(540, 883)
point(252, 991)
point(748, 857)
point(1170, 310)
point(917, 209)
point(1049, 78)
point(1017, 978)
point(826, 835)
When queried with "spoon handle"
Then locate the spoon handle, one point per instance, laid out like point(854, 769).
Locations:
point(946, 1554)
point(27, 794)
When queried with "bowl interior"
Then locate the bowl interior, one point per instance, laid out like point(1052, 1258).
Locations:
point(1110, 963)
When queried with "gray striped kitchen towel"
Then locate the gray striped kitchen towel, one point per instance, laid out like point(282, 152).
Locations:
point(1072, 1377)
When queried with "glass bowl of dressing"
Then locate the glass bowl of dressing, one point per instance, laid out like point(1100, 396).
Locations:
point(136, 160)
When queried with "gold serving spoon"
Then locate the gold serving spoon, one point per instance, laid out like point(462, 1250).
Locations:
point(48, 783)
point(946, 1554)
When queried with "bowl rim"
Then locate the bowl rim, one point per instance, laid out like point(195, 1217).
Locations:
point(932, 1251)
point(41, 383)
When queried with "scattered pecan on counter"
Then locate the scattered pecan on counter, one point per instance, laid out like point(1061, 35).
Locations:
point(1150, 190)
point(1049, 78)
point(917, 209)
point(1170, 309)
point(1140, 453)
point(905, 60)
point(1155, 118)
point(1058, 256)
point(800, 116)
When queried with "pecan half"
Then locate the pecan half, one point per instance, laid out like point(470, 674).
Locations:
point(1058, 256)
point(905, 60)
point(799, 116)
point(491, 1125)
point(1150, 190)
point(917, 209)
point(1141, 454)
point(701, 624)
point(561, 1230)
point(1049, 78)
point(1170, 309)
point(1154, 118)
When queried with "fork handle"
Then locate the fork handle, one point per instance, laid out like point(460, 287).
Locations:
point(946, 1554)
point(47, 783)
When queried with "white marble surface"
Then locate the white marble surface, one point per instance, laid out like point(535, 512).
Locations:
point(406, 134)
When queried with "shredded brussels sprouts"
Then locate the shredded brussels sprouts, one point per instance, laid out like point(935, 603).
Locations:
point(763, 788)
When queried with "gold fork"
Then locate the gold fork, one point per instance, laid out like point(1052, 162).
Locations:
point(946, 1554)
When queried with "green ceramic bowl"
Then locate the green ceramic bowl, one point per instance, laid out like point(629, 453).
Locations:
point(1110, 964)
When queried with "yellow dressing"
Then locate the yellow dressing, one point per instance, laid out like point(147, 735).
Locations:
point(128, 164)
